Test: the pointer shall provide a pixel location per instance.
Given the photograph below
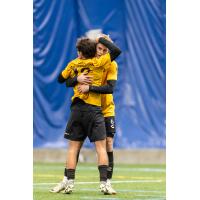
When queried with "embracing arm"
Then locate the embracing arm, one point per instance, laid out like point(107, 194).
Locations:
point(83, 78)
point(71, 82)
point(66, 73)
point(105, 89)
point(61, 79)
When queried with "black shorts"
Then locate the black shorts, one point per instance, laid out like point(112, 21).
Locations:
point(85, 121)
point(110, 126)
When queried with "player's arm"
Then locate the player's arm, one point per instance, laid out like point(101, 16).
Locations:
point(71, 82)
point(111, 81)
point(105, 89)
point(61, 79)
point(82, 78)
point(65, 73)
point(114, 50)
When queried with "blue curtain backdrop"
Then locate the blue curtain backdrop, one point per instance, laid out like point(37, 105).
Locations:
point(138, 27)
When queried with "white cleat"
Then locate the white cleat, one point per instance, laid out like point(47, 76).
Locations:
point(59, 187)
point(109, 187)
point(69, 187)
point(105, 188)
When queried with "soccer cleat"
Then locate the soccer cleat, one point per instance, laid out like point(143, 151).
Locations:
point(59, 187)
point(69, 187)
point(110, 187)
point(105, 188)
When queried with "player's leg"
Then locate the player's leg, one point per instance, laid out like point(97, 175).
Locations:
point(98, 136)
point(102, 164)
point(73, 133)
point(67, 183)
point(102, 159)
point(109, 149)
point(110, 132)
point(97, 133)
point(68, 135)
point(73, 150)
point(77, 158)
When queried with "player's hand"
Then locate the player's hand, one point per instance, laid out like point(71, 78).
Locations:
point(83, 88)
point(107, 37)
point(84, 79)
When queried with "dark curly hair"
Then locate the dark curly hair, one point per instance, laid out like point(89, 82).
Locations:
point(86, 46)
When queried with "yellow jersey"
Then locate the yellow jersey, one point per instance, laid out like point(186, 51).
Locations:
point(95, 68)
point(107, 102)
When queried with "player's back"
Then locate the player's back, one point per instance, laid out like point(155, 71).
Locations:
point(94, 67)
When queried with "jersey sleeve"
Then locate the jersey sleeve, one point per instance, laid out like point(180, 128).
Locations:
point(68, 71)
point(112, 71)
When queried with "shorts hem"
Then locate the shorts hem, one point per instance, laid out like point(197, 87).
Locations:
point(74, 139)
point(97, 140)
point(111, 134)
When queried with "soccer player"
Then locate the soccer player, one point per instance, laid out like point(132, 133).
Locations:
point(107, 103)
point(86, 119)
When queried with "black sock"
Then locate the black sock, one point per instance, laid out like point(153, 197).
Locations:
point(65, 172)
point(110, 165)
point(71, 173)
point(103, 172)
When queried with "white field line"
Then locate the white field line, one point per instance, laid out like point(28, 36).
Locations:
point(116, 168)
point(138, 192)
point(100, 198)
point(128, 181)
point(129, 190)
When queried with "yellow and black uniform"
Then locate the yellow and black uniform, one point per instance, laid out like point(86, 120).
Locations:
point(86, 119)
point(107, 102)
